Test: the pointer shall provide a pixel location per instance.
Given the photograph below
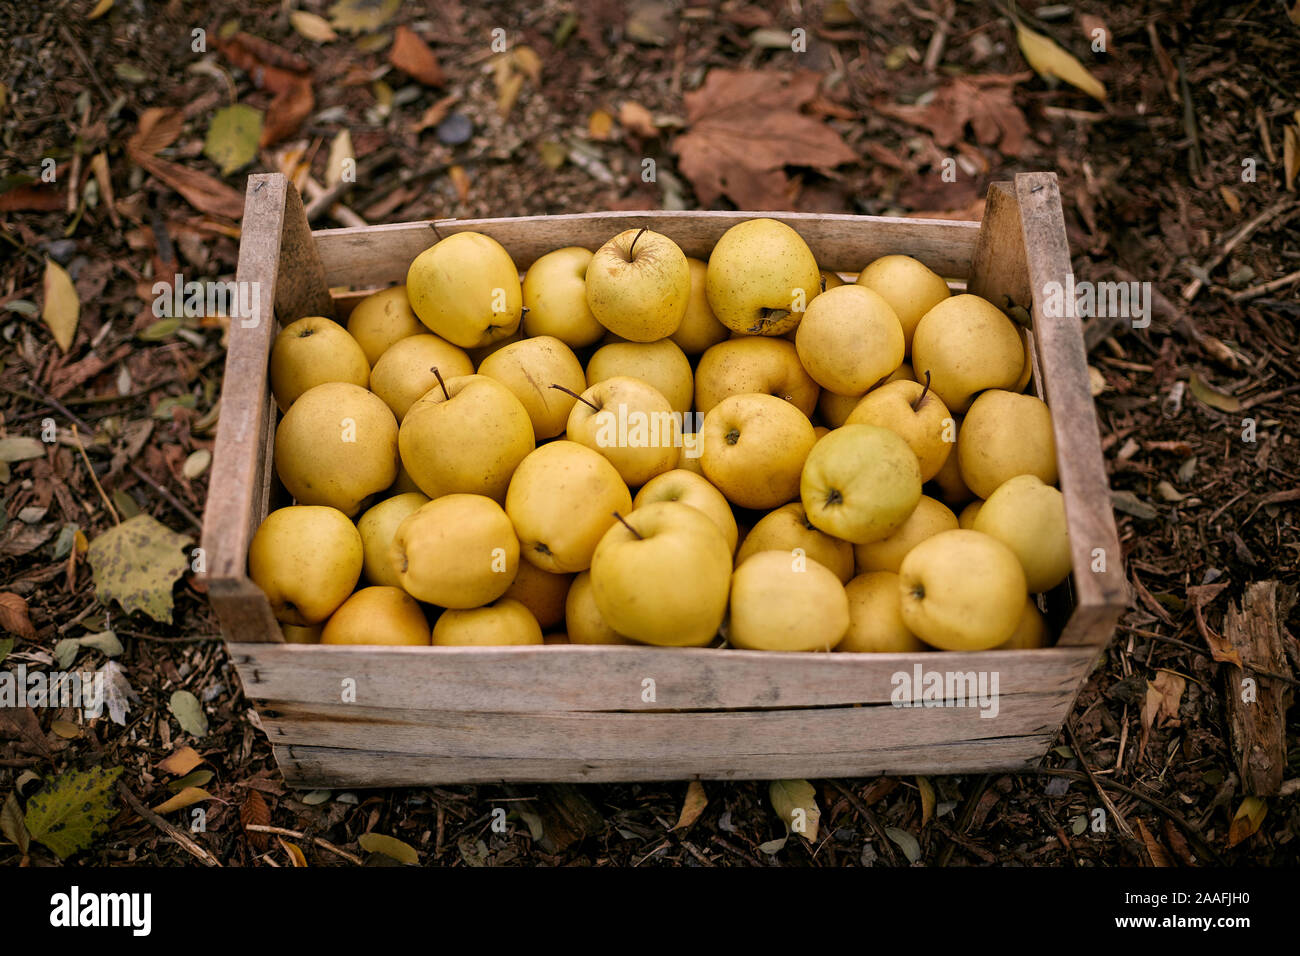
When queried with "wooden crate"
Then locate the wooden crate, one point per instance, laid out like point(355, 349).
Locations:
point(568, 713)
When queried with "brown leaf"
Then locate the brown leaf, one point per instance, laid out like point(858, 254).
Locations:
point(984, 102)
point(1157, 852)
point(157, 129)
point(1246, 821)
point(272, 54)
point(745, 128)
point(14, 616)
point(33, 198)
point(200, 190)
point(265, 67)
point(21, 722)
point(413, 57)
point(180, 762)
point(255, 812)
point(1221, 648)
point(287, 111)
point(1170, 686)
point(636, 119)
point(694, 804)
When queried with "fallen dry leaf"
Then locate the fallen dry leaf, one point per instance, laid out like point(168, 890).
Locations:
point(1157, 852)
point(745, 128)
point(460, 179)
point(637, 120)
point(32, 198)
point(255, 812)
point(412, 56)
point(187, 797)
point(1246, 821)
point(694, 804)
point(1051, 61)
point(312, 26)
point(985, 102)
point(157, 129)
point(341, 158)
point(14, 616)
point(599, 125)
point(62, 308)
point(286, 113)
point(180, 761)
point(1220, 648)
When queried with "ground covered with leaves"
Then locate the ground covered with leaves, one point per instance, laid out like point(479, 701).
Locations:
point(127, 130)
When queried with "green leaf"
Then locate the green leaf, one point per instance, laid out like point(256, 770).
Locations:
point(137, 564)
point(233, 137)
point(73, 810)
point(21, 449)
point(65, 651)
point(1208, 395)
point(362, 16)
point(6, 645)
point(390, 847)
point(906, 842)
point(795, 802)
point(195, 779)
point(160, 330)
point(187, 710)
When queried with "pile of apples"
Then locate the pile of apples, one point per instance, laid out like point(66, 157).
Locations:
point(511, 494)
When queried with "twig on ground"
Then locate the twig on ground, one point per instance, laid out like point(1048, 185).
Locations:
point(202, 855)
point(323, 844)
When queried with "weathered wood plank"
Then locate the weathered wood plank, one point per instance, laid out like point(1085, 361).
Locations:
point(1099, 585)
point(311, 767)
point(1258, 726)
point(572, 678)
point(379, 255)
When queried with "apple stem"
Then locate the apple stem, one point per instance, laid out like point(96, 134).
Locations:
point(920, 399)
point(628, 526)
point(569, 391)
point(438, 376)
point(633, 246)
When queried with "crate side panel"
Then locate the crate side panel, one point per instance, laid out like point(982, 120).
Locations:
point(312, 767)
point(574, 678)
point(368, 257)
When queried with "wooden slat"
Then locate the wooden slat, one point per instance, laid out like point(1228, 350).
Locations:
point(366, 257)
point(657, 736)
point(1101, 595)
point(998, 269)
point(575, 678)
point(278, 259)
point(312, 767)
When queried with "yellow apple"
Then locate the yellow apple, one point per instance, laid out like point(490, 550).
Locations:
point(661, 576)
point(948, 481)
point(562, 499)
point(761, 277)
point(752, 364)
point(967, 517)
point(529, 368)
point(582, 617)
point(467, 438)
point(377, 615)
point(466, 289)
point(336, 446)
point(457, 551)
point(306, 559)
point(788, 529)
point(700, 328)
point(1030, 633)
point(377, 527)
point(753, 449)
point(638, 285)
point(908, 285)
point(860, 483)
point(555, 298)
point(691, 489)
point(661, 364)
point(381, 320)
point(406, 371)
point(849, 340)
point(479, 354)
point(967, 345)
point(962, 591)
point(1027, 370)
point(830, 280)
point(311, 352)
point(403, 484)
point(542, 592)
point(927, 519)
point(834, 409)
point(915, 414)
point(1029, 518)
point(876, 617)
point(631, 424)
point(1004, 435)
point(501, 624)
point(302, 634)
point(785, 602)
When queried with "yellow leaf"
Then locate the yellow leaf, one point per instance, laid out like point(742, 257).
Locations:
point(180, 762)
point(508, 88)
point(313, 27)
point(187, 797)
point(1049, 60)
point(1290, 155)
point(694, 804)
point(795, 802)
point(1245, 823)
point(528, 62)
point(296, 856)
point(1230, 199)
point(1212, 397)
point(62, 306)
point(101, 8)
point(460, 179)
point(927, 799)
point(341, 159)
point(599, 125)
point(65, 729)
point(361, 16)
point(389, 846)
